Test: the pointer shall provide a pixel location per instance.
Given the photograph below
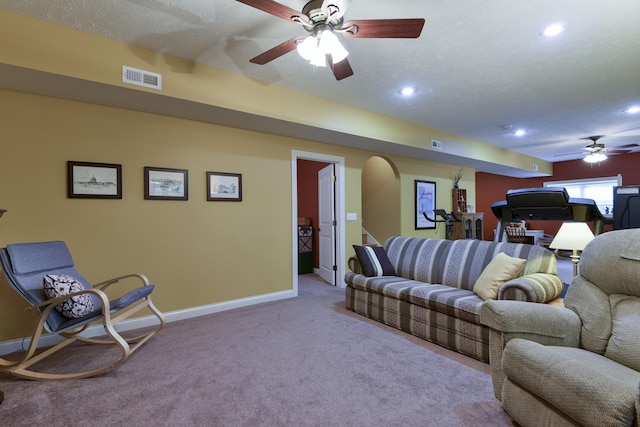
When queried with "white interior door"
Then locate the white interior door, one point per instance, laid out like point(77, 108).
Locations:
point(327, 224)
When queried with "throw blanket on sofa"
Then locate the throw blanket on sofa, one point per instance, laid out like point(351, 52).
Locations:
point(431, 294)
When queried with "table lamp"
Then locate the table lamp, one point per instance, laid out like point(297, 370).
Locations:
point(573, 236)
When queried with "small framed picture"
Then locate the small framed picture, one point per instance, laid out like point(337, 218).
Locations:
point(94, 180)
point(166, 184)
point(223, 186)
point(425, 204)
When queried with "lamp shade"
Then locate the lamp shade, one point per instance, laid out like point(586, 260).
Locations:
point(572, 235)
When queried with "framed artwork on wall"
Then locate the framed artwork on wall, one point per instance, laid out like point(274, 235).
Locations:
point(166, 184)
point(425, 198)
point(94, 180)
point(224, 186)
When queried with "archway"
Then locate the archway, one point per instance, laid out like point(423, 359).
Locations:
point(381, 210)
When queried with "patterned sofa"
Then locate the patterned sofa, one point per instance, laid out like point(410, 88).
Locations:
point(431, 294)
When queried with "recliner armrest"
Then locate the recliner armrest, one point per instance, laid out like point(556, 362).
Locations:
point(530, 320)
point(536, 287)
point(542, 323)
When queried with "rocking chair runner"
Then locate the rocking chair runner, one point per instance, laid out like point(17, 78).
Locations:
point(25, 266)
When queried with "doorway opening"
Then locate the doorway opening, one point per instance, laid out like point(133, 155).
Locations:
point(334, 240)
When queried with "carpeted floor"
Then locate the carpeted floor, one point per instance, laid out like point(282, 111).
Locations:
point(305, 361)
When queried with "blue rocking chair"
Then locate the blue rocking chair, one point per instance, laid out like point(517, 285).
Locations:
point(29, 266)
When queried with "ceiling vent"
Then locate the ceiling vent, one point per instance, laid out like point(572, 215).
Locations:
point(141, 78)
point(436, 145)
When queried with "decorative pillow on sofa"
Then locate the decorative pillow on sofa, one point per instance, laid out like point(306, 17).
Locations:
point(76, 306)
point(501, 269)
point(374, 261)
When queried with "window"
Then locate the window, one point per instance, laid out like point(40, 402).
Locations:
point(599, 190)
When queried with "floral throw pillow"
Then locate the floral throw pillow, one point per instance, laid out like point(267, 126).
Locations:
point(76, 306)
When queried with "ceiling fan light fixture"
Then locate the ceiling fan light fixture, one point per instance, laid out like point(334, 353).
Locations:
point(595, 157)
point(307, 48)
point(330, 44)
point(318, 60)
point(310, 50)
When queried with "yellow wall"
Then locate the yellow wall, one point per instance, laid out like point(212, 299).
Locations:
point(381, 198)
point(33, 44)
point(196, 252)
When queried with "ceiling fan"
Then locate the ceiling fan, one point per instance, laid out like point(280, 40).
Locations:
point(597, 152)
point(322, 19)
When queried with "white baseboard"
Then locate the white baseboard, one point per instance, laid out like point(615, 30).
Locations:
point(8, 347)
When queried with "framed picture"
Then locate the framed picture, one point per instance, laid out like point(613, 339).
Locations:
point(166, 184)
point(223, 186)
point(425, 192)
point(94, 180)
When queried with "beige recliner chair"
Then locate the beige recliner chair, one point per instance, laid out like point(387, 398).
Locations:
point(578, 364)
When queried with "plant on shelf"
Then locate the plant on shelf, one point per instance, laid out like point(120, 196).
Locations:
point(457, 177)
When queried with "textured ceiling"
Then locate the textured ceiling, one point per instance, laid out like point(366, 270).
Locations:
point(480, 69)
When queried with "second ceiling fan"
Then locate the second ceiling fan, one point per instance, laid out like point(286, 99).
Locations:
point(322, 19)
point(597, 152)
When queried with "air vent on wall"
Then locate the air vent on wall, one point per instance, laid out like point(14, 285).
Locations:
point(138, 77)
point(436, 145)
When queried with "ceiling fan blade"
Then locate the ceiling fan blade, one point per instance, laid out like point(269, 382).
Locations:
point(276, 9)
point(335, 8)
point(341, 70)
point(384, 28)
point(613, 151)
point(570, 154)
point(276, 52)
point(626, 146)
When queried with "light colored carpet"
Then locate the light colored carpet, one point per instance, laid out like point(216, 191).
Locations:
point(305, 361)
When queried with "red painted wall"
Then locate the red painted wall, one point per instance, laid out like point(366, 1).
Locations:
point(308, 197)
point(492, 188)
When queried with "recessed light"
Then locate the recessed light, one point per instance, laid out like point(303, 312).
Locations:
point(633, 110)
point(407, 91)
point(520, 132)
point(553, 29)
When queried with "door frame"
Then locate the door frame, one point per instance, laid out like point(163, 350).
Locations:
point(340, 211)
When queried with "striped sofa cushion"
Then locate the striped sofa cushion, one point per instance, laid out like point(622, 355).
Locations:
point(459, 263)
point(418, 259)
point(392, 286)
point(452, 301)
point(459, 303)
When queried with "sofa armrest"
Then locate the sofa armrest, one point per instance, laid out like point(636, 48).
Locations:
point(542, 323)
point(536, 287)
point(354, 264)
